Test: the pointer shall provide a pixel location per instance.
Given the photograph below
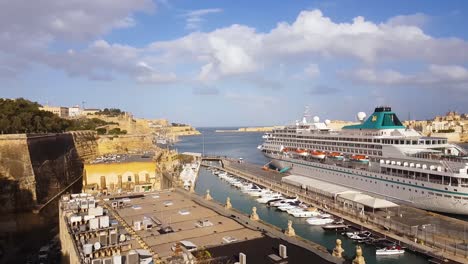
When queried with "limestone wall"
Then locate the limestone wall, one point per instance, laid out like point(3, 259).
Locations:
point(33, 168)
point(125, 144)
point(17, 181)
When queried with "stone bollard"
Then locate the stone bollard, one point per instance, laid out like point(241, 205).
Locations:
point(228, 203)
point(254, 215)
point(359, 258)
point(338, 250)
point(208, 196)
point(290, 230)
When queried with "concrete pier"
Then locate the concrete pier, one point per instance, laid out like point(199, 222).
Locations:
point(437, 236)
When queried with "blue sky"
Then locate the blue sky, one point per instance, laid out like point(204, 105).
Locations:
point(238, 63)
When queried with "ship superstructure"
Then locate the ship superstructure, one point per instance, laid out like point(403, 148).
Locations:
point(379, 155)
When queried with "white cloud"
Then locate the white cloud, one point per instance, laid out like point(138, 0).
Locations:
point(194, 18)
point(240, 49)
point(236, 51)
point(443, 76)
point(418, 20)
point(312, 71)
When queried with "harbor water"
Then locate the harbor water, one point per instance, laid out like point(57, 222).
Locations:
point(244, 145)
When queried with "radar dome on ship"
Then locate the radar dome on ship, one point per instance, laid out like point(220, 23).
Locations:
point(361, 116)
point(327, 122)
point(316, 119)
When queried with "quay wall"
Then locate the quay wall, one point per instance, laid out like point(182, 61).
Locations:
point(33, 168)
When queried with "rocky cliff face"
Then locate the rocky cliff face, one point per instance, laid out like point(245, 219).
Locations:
point(35, 168)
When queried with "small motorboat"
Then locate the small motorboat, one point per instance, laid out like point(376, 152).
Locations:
point(391, 250)
point(318, 220)
point(337, 225)
point(299, 212)
point(267, 198)
point(359, 236)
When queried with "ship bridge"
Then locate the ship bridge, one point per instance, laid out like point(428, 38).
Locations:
point(382, 118)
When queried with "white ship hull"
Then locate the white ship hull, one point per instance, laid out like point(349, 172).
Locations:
point(424, 195)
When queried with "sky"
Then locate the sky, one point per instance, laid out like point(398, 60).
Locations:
point(238, 63)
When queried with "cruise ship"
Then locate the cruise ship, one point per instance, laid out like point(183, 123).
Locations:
point(379, 156)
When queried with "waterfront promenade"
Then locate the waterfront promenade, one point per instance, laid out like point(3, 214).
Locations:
point(436, 236)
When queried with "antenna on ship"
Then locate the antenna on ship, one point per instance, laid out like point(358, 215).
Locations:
point(306, 116)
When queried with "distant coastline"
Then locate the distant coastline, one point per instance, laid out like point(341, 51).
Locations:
point(246, 130)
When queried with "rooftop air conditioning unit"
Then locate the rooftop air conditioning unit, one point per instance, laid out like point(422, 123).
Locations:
point(94, 223)
point(133, 257)
point(113, 237)
point(405, 164)
point(242, 258)
point(393, 162)
point(282, 251)
point(107, 261)
point(398, 163)
point(418, 165)
point(137, 225)
point(432, 167)
point(424, 166)
point(117, 259)
point(439, 168)
point(411, 165)
point(104, 221)
point(88, 249)
point(103, 238)
point(96, 261)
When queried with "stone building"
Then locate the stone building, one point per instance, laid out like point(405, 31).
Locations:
point(57, 110)
point(127, 173)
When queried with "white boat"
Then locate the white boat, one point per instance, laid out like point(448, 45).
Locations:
point(287, 207)
point(359, 235)
point(391, 250)
point(260, 193)
point(303, 213)
point(319, 221)
point(283, 202)
point(266, 198)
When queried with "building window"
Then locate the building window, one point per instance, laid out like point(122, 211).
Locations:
point(129, 178)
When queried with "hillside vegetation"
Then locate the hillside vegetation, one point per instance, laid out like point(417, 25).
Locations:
point(23, 116)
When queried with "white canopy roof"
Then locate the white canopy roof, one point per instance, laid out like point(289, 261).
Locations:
point(367, 200)
point(325, 188)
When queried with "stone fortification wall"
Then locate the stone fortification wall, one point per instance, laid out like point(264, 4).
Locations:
point(17, 181)
point(86, 144)
point(125, 144)
point(55, 162)
point(33, 168)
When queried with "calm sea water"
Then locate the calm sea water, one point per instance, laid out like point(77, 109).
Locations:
point(236, 145)
point(245, 145)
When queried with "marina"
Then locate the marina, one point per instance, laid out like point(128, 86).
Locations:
point(220, 189)
point(447, 232)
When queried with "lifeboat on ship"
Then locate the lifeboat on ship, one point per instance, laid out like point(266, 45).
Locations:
point(360, 158)
point(335, 155)
point(286, 150)
point(302, 152)
point(318, 154)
